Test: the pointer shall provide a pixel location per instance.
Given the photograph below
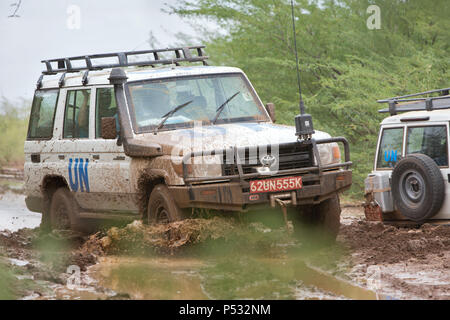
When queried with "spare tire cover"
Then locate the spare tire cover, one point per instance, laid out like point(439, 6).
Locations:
point(418, 187)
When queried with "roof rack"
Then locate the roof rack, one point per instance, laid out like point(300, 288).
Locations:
point(65, 65)
point(416, 102)
point(183, 54)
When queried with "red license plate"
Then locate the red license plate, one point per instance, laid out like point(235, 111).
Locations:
point(276, 185)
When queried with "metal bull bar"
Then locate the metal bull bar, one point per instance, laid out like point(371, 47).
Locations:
point(242, 177)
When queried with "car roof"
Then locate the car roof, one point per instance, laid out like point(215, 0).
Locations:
point(100, 77)
point(433, 116)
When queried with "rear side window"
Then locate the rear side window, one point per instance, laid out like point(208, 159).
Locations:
point(76, 118)
point(43, 114)
point(106, 108)
point(430, 140)
point(390, 148)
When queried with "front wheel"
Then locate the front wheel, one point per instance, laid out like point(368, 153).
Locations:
point(324, 218)
point(162, 208)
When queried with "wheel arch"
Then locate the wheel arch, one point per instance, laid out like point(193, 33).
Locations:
point(147, 181)
point(51, 183)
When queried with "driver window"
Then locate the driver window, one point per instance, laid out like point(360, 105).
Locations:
point(106, 107)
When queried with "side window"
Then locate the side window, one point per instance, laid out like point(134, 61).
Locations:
point(43, 114)
point(390, 148)
point(76, 118)
point(106, 107)
point(431, 141)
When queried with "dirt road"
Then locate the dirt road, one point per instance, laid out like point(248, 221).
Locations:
point(405, 263)
point(370, 260)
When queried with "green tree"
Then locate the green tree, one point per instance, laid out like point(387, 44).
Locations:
point(13, 128)
point(345, 66)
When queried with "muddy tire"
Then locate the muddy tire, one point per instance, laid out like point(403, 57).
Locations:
point(418, 188)
point(63, 211)
point(162, 207)
point(324, 218)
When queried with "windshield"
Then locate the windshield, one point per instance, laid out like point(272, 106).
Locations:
point(151, 101)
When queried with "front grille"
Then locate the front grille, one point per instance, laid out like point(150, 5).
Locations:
point(292, 156)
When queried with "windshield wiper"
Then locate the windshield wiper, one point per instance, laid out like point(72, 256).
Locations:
point(170, 114)
point(220, 109)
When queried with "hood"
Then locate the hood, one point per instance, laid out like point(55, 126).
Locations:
point(224, 136)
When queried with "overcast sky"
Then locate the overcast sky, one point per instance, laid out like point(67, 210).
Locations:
point(45, 30)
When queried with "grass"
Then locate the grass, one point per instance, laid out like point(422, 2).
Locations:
point(7, 280)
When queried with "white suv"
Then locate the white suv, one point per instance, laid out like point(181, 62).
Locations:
point(411, 176)
point(123, 138)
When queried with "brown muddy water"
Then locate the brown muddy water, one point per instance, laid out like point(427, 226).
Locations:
point(218, 258)
point(195, 279)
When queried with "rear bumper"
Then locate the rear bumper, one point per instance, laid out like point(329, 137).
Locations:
point(233, 196)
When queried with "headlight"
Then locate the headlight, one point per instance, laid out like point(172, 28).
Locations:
point(329, 153)
point(201, 167)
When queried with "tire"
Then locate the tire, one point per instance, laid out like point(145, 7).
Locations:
point(418, 189)
point(324, 218)
point(162, 207)
point(63, 211)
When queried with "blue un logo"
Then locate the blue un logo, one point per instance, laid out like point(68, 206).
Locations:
point(78, 175)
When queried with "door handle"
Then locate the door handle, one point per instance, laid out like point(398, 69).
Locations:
point(61, 157)
point(35, 158)
point(96, 157)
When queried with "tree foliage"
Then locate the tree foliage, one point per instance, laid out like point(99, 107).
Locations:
point(345, 66)
point(13, 128)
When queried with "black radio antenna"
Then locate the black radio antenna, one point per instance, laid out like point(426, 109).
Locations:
point(303, 122)
point(302, 105)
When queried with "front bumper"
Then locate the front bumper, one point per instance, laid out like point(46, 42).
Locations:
point(233, 192)
point(231, 196)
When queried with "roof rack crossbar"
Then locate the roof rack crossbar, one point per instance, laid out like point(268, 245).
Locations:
point(65, 64)
point(413, 102)
point(444, 91)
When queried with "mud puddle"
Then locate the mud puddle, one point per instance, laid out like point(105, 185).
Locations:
point(198, 259)
point(214, 258)
point(195, 279)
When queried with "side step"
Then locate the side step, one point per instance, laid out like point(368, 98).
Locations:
point(110, 216)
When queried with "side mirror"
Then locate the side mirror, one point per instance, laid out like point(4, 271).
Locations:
point(109, 128)
point(270, 107)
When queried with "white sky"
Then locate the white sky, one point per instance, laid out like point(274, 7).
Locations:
point(41, 32)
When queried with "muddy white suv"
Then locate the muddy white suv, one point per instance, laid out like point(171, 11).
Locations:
point(411, 176)
point(136, 134)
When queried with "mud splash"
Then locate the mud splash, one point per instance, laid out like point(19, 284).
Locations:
point(198, 235)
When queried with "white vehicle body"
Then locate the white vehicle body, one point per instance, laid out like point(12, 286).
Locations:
point(378, 183)
point(106, 178)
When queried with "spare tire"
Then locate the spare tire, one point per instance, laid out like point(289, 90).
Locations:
point(418, 188)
